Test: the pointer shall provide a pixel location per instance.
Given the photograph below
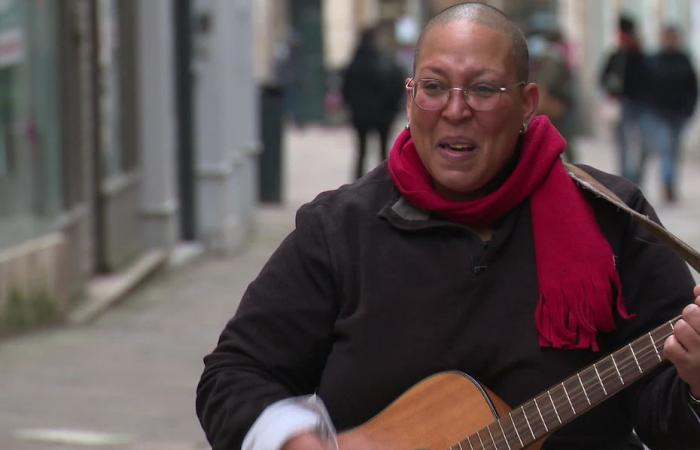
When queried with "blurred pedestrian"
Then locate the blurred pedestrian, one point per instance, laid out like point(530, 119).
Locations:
point(289, 68)
point(624, 78)
point(373, 86)
point(554, 77)
point(673, 93)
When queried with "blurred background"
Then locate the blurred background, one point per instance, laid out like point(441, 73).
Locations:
point(140, 134)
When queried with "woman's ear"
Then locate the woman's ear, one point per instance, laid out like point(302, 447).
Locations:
point(409, 101)
point(531, 99)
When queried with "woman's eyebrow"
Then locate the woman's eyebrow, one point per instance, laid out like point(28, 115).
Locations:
point(480, 75)
point(436, 71)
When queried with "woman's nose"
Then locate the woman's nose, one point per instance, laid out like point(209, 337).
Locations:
point(457, 107)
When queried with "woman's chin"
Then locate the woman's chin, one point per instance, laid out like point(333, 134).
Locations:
point(459, 191)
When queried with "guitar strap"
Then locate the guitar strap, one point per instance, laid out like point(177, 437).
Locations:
point(586, 181)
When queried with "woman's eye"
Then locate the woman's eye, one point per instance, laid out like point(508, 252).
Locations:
point(483, 90)
point(433, 87)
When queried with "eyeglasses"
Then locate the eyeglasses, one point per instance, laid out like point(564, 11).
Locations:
point(430, 94)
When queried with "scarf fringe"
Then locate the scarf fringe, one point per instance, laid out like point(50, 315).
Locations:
point(570, 317)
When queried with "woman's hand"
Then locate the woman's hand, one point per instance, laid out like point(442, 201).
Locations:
point(682, 348)
point(306, 441)
point(346, 441)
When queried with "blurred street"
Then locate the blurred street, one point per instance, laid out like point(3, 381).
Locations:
point(127, 380)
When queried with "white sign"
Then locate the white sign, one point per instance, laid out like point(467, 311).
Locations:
point(12, 48)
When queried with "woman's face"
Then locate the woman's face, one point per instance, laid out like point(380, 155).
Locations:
point(462, 149)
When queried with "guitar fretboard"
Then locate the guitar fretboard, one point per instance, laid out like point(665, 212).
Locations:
point(577, 394)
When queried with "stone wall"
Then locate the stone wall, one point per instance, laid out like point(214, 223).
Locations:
point(33, 287)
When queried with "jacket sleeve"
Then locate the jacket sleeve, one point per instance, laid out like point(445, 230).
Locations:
point(657, 284)
point(276, 345)
point(607, 68)
point(691, 82)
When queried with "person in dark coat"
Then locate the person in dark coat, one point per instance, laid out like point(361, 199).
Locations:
point(472, 251)
point(624, 79)
point(372, 90)
point(673, 93)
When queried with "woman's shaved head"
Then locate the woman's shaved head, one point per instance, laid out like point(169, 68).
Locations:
point(488, 16)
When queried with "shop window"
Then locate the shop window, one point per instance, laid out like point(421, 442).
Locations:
point(30, 153)
point(116, 87)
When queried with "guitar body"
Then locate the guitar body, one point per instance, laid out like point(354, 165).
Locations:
point(435, 414)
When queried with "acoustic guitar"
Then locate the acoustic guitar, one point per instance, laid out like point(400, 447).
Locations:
point(451, 410)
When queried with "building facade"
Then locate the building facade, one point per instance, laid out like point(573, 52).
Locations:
point(120, 138)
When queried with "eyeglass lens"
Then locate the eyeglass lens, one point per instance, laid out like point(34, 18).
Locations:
point(430, 97)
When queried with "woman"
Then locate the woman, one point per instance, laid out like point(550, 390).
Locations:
point(471, 250)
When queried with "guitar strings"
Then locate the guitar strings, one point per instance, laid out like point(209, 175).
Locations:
point(546, 407)
point(635, 359)
point(504, 436)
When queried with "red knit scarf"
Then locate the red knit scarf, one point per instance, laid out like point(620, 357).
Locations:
point(575, 264)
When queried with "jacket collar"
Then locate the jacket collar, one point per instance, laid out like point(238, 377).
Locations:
point(407, 211)
point(402, 214)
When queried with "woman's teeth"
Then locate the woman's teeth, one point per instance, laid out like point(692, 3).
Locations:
point(458, 147)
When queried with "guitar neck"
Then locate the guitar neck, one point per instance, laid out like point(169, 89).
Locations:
point(562, 403)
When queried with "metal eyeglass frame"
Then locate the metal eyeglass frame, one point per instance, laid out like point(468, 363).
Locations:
point(412, 83)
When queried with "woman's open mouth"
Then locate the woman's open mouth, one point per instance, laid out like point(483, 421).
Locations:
point(457, 146)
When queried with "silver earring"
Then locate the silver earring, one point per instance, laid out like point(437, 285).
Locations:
point(408, 125)
point(523, 128)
